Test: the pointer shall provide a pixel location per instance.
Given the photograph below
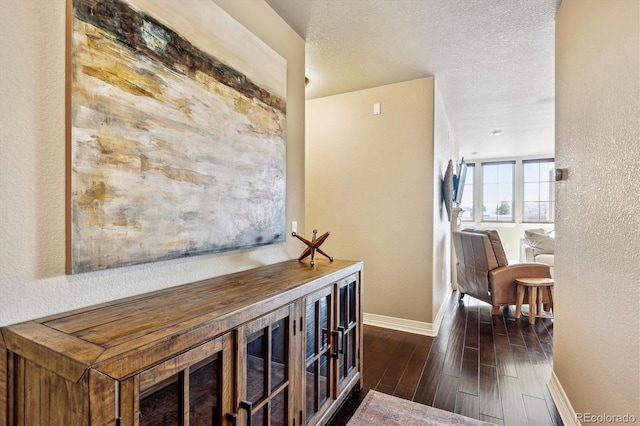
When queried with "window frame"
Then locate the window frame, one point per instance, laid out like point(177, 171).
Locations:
point(518, 187)
point(552, 199)
point(513, 190)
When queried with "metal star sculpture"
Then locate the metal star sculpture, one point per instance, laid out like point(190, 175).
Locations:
point(313, 246)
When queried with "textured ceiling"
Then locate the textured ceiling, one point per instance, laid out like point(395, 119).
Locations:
point(493, 61)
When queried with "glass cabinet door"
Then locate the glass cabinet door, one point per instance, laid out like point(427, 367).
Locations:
point(318, 365)
point(185, 390)
point(347, 333)
point(264, 370)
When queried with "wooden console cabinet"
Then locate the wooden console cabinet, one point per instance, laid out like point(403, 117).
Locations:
point(276, 345)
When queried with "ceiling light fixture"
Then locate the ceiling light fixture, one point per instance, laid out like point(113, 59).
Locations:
point(496, 132)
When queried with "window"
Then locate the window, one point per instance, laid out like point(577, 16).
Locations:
point(497, 191)
point(467, 194)
point(510, 191)
point(539, 190)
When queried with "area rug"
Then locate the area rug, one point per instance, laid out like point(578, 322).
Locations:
point(382, 409)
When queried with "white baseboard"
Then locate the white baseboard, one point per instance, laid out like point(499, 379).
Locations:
point(567, 413)
point(400, 324)
point(409, 326)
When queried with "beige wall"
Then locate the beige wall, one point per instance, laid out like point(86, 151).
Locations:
point(370, 182)
point(444, 149)
point(32, 257)
point(596, 336)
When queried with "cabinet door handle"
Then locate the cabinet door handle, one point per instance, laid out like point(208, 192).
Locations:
point(233, 418)
point(247, 405)
point(336, 341)
point(338, 336)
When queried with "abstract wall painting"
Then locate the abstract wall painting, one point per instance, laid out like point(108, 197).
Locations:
point(175, 133)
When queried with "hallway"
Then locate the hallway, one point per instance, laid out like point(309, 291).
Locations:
point(490, 368)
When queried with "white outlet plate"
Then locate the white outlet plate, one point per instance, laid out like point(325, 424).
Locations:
point(294, 226)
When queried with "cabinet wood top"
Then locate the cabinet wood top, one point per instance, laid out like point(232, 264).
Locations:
point(130, 334)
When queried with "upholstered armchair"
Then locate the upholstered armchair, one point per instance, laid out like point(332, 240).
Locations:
point(483, 270)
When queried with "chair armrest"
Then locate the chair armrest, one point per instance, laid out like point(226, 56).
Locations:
point(502, 280)
point(526, 251)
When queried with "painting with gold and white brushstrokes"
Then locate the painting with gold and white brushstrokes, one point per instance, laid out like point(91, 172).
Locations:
point(176, 137)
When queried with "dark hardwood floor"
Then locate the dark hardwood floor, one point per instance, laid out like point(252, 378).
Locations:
point(492, 368)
